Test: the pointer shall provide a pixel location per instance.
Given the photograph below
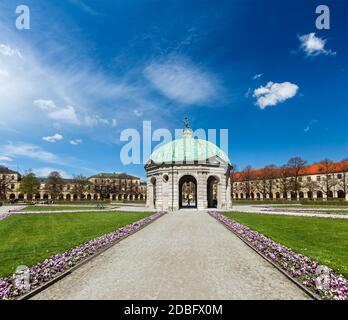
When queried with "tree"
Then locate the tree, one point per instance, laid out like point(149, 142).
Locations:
point(79, 185)
point(104, 188)
point(5, 184)
point(246, 177)
point(29, 184)
point(344, 180)
point(295, 165)
point(265, 180)
point(54, 184)
point(327, 168)
point(284, 180)
point(311, 186)
point(233, 177)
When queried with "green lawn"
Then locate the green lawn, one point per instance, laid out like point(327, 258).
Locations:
point(310, 206)
point(325, 240)
point(58, 208)
point(28, 239)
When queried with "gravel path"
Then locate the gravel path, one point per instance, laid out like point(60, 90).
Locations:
point(186, 255)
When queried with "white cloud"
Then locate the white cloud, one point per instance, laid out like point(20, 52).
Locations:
point(306, 129)
point(45, 105)
point(4, 73)
point(257, 76)
point(137, 112)
point(5, 158)
point(7, 51)
point(179, 80)
point(65, 114)
point(274, 93)
point(52, 139)
point(313, 45)
point(68, 114)
point(44, 172)
point(76, 142)
point(95, 120)
point(30, 151)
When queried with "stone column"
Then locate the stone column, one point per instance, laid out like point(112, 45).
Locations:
point(202, 202)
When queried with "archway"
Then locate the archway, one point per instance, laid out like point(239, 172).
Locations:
point(187, 192)
point(212, 192)
point(153, 182)
point(340, 194)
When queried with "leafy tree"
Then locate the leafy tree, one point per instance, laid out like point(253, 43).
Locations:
point(54, 184)
point(5, 183)
point(29, 184)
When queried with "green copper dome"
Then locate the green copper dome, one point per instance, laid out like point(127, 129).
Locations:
point(187, 149)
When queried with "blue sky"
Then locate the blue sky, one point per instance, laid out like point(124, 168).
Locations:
point(86, 70)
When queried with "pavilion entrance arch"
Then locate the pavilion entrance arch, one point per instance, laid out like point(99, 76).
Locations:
point(187, 192)
point(213, 191)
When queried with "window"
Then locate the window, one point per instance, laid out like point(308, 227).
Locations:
point(318, 178)
point(339, 176)
point(309, 179)
point(300, 179)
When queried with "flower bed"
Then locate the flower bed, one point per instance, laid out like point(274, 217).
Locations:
point(4, 215)
point(318, 279)
point(13, 286)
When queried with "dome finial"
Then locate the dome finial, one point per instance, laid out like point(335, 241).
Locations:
point(187, 131)
point(186, 123)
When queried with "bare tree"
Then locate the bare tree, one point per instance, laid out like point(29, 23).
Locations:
point(54, 184)
point(327, 168)
point(104, 188)
point(246, 177)
point(270, 173)
point(284, 179)
point(295, 166)
point(233, 178)
point(79, 185)
point(311, 185)
point(344, 180)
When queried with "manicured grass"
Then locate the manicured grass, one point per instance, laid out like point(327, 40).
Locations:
point(58, 208)
point(310, 206)
point(325, 240)
point(28, 239)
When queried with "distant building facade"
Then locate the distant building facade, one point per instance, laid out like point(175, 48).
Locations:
point(108, 186)
point(318, 181)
